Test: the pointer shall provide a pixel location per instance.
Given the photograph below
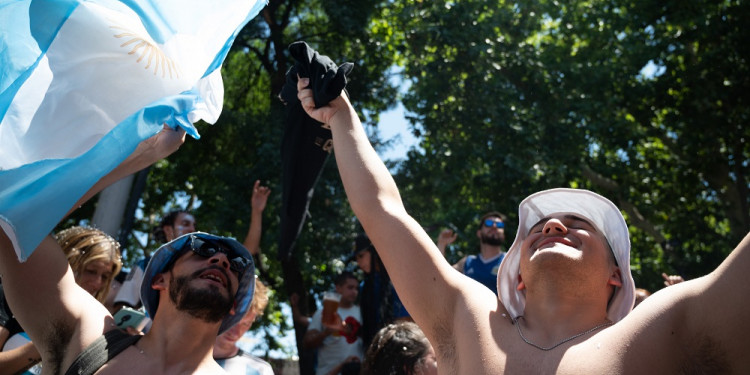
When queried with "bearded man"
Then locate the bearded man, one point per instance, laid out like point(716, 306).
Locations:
point(484, 266)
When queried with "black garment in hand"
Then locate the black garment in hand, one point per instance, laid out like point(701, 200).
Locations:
point(306, 143)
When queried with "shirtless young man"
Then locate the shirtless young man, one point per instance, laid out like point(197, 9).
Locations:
point(555, 284)
point(198, 286)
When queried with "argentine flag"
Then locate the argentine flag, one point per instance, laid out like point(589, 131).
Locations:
point(82, 83)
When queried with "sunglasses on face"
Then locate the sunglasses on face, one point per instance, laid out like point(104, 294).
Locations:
point(489, 223)
point(207, 249)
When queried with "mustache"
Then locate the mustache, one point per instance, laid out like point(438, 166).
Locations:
point(223, 271)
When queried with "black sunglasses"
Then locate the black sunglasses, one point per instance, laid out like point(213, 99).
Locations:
point(207, 249)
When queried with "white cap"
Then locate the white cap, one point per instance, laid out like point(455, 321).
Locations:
point(602, 213)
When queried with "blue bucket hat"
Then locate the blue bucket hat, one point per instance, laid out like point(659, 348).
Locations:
point(168, 254)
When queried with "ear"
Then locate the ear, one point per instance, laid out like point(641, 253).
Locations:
point(521, 285)
point(615, 279)
point(159, 282)
point(479, 234)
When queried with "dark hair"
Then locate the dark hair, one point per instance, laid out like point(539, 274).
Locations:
point(376, 293)
point(167, 221)
point(397, 349)
point(343, 276)
point(492, 214)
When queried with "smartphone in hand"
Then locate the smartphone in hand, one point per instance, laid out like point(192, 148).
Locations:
point(127, 317)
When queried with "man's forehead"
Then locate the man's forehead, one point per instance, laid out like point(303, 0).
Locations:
point(184, 216)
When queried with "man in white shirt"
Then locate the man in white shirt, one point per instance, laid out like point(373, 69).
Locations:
point(226, 352)
point(338, 344)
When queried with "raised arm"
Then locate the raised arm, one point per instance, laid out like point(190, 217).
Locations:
point(45, 298)
point(258, 204)
point(161, 145)
point(722, 311)
point(42, 291)
point(426, 283)
point(445, 238)
point(701, 324)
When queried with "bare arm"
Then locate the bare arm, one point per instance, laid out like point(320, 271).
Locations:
point(159, 146)
point(722, 311)
point(56, 303)
point(69, 311)
point(19, 359)
point(445, 238)
point(701, 322)
point(400, 241)
point(258, 204)
point(314, 338)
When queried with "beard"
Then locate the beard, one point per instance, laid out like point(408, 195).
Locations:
point(492, 240)
point(208, 304)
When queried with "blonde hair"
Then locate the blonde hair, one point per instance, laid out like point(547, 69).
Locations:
point(83, 245)
point(260, 298)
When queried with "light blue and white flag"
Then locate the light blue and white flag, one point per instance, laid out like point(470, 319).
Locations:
point(82, 83)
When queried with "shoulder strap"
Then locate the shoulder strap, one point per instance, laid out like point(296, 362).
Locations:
point(106, 347)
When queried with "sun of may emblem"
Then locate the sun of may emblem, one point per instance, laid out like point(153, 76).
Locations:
point(148, 52)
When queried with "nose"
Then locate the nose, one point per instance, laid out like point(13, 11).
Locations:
point(94, 285)
point(554, 227)
point(220, 259)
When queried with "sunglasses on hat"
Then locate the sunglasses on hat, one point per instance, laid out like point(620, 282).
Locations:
point(489, 223)
point(207, 249)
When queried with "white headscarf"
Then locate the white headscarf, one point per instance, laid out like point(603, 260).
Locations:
point(602, 213)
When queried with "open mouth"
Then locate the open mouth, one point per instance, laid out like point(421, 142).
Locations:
point(214, 275)
point(552, 241)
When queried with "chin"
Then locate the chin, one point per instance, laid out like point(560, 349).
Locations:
point(556, 254)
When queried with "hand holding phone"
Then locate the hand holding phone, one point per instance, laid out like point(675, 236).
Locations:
point(127, 317)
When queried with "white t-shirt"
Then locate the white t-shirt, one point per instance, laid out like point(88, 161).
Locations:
point(245, 364)
point(130, 290)
point(335, 349)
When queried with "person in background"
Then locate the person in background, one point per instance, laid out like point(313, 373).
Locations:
point(338, 342)
point(482, 267)
point(400, 349)
point(228, 355)
point(669, 280)
point(95, 259)
point(174, 224)
point(378, 299)
point(179, 222)
point(640, 295)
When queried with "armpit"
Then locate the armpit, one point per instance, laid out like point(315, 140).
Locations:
point(704, 356)
point(58, 338)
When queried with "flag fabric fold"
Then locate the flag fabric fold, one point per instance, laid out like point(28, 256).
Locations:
point(82, 83)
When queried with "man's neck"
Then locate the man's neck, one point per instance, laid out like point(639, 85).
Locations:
point(225, 350)
point(555, 314)
point(489, 251)
point(180, 343)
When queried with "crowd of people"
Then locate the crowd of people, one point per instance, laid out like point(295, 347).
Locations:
point(559, 299)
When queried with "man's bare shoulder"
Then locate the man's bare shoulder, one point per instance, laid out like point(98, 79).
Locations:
point(475, 334)
point(654, 338)
point(134, 361)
